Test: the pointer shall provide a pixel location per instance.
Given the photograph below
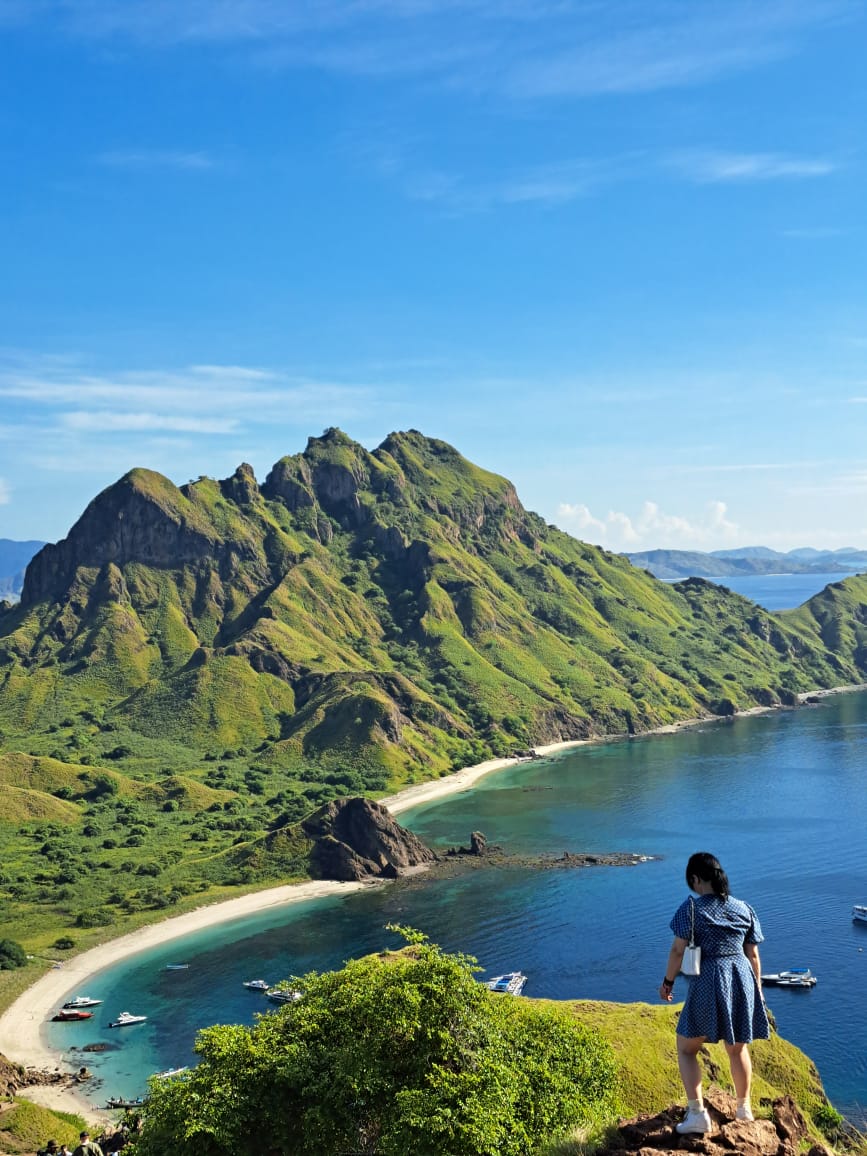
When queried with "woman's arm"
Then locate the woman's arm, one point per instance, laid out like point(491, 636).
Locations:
point(751, 951)
point(672, 968)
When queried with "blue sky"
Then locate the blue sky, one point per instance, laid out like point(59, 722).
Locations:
point(612, 250)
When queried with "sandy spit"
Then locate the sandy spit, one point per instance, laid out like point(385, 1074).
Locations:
point(21, 1035)
point(21, 1025)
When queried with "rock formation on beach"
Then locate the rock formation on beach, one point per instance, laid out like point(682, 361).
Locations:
point(356, 839)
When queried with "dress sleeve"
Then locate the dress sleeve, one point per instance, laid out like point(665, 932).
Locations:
point(680, 923)
point(754, 932)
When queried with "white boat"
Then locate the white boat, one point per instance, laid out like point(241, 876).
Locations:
point(177, 966)
point(511, 982)
point(283, 995)
point(859, 912)
point(257, 985)
point(170, 1073)
point(82, 1001)
point(793, 977)
point(125, 1019)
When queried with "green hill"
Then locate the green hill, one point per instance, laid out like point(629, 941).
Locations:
point(196, 665)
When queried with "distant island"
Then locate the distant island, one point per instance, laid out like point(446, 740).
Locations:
point(14, 557)
point(676, 564)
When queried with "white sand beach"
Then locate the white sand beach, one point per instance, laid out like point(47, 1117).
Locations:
point(21, 1035)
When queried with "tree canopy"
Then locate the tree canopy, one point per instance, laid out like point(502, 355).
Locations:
point(395, 1053)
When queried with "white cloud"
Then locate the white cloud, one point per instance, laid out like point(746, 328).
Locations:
point(5, 493)
point(546, 185)
point(62, 412)
point(651, 528)
point(104, 421)
point(525, 49)
point(580, 518)
point(743, 168)
point(156, 159)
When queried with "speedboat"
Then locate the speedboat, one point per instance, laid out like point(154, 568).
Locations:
point(283, 995)
point(793, 977)
point(125, 1019)
point(177, 966)
point(70, 1015)
point(82, 1001)
point(512, 982)
point(257, 985)
point(859, 912)
point(170, 1073)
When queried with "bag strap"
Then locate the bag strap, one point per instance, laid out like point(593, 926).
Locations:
point(691, 922)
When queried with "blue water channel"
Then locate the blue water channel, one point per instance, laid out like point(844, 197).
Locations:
point(779, 797)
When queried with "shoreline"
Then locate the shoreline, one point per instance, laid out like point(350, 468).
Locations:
point(21, 1025)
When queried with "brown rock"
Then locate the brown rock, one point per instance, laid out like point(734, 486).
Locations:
point(655, 1135)
point(359, 839)
point(791, 1125)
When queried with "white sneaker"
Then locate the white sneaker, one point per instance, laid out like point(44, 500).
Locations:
point(745, 1112)
point(694, 1122)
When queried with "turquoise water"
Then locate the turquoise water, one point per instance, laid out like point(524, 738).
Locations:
point(779, 797)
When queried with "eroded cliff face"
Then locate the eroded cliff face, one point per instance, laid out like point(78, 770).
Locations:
point(355, 839)
point(142, 518)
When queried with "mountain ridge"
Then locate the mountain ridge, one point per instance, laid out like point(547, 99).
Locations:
point(747, 560)
point(406, 585)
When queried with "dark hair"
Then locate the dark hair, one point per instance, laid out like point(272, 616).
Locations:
point(707, 868)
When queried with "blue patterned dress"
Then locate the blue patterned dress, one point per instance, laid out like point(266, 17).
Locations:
point(723, 1002)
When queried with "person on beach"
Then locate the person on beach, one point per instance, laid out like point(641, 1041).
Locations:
point(724, 1002)
point(50, 1149)
point(87, 1147)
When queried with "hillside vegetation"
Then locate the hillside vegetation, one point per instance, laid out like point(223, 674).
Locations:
point(404, 1052)
point(193, 669)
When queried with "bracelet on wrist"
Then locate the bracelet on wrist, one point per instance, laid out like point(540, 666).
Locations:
point(668, 984)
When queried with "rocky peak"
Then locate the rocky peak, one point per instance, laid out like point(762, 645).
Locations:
point(242, 488)
point(141, 518)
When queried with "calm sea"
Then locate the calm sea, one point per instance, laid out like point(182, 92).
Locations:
point(779, 591)
point(779, 797)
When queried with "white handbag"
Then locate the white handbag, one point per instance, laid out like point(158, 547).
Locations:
point(692, 953)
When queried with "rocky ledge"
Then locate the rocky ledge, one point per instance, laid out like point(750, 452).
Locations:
point(784, 1134)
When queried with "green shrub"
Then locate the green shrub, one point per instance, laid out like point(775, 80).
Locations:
point(12, 955)
point(399, 1053)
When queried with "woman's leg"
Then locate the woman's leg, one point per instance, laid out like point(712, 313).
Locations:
point(742, 1070)
point(690, 1069)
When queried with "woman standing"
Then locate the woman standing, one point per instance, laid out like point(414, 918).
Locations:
point(725, 1001)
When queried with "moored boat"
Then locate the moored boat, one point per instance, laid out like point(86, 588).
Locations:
point(177, 966)
point(793, 977)
point(511, 981)
point(283, 995)
point(170, 1073)
point(859, 912)
point(257, 985)
point(119, 1102)
point(70, 1015)
point(125, 1019)
point(82, 1001)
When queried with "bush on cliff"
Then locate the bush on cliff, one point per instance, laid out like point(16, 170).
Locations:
point(397, 1053)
